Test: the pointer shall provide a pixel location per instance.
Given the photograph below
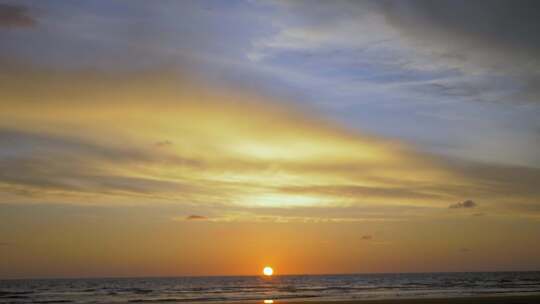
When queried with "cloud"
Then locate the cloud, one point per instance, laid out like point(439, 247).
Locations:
point(164, 143)
point(8, 244)
point(491, 46)
point(13, 16)
point(495, 27)
point(498, 36)
point(464, 204)
point(231, 148)
point(367, 237)
point(196, 217)
point(238, 153)
point(50, 163)
point(353, 191)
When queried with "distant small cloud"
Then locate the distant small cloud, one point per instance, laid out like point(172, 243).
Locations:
point(12, 15)
point(164, 143)
point(464, 204)
point(194, 217)
point(366, 237)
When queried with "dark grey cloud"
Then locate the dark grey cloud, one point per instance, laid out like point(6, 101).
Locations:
point(195, 217)
point(164, 143)
point(494, 45)
point(464, 204)
point(498, 35)
point(510, 25)
point(454, 89)
point(12, 15)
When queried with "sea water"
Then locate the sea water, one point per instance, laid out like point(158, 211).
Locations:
point(273, 289)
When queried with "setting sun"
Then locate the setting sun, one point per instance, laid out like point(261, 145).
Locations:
point(268, 271)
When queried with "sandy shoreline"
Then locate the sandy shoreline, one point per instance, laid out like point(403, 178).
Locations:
point(525, 299)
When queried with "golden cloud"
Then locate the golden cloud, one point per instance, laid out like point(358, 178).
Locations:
point(158, 137)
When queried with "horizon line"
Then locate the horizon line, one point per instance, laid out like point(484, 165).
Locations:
point(259, 275)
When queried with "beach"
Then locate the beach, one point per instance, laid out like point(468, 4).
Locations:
point(524, 299)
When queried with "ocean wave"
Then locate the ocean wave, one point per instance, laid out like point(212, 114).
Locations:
point(225, 289)
point(201, 299)
point(51, 301)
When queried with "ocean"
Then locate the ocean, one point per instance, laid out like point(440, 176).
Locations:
point(268, 290)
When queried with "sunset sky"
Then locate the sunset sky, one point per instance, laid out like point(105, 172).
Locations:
point(164, 138)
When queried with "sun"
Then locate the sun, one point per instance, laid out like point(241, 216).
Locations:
point(268, 271)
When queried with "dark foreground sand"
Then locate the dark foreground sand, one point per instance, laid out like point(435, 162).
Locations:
point(471, 300)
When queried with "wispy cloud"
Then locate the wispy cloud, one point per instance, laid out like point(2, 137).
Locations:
point(475, 36)
point(423, 54)
point(164, 143)
point(195, 217)
point(15, 16)
point(232, 151)
point(420, 36)
point(464, 204)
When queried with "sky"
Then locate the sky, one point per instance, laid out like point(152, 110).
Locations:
point(143, 138)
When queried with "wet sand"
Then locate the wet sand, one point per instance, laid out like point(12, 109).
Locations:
point(532, 299)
